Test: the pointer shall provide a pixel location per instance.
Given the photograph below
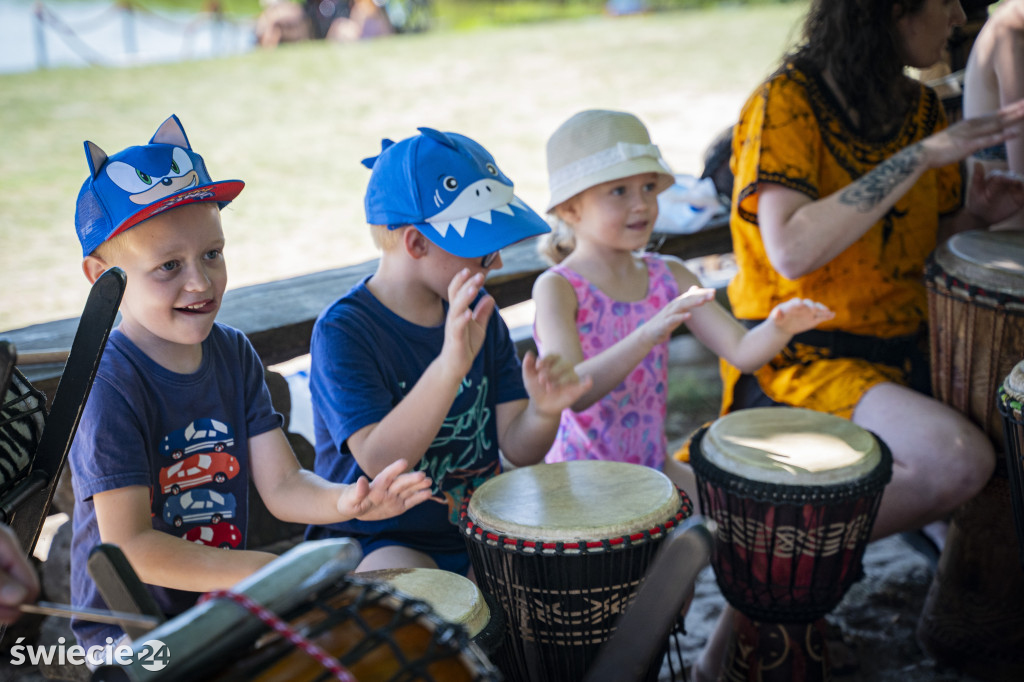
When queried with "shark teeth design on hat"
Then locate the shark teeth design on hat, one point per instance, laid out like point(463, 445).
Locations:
point(478, 201)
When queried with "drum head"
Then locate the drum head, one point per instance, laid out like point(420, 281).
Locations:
point(453, 598)
point(583, 500)
point(1013, 385)
point(993, 261)
point(790, 446)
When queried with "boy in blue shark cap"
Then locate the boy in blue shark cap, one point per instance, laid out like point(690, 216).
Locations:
point(412, 362)
point(179, 417)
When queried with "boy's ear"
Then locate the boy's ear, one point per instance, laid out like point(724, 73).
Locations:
point(416, 245)
point(93, 267)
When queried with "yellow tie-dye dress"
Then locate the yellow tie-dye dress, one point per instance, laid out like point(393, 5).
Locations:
point(793, 133)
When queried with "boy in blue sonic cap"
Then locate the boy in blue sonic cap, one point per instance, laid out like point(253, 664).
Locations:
point(179, 417)
point(412, 362)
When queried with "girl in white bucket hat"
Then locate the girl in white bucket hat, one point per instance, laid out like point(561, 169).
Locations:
point(610, 308)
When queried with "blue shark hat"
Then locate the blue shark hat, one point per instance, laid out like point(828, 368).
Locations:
point(450, 189)
point(138, 183)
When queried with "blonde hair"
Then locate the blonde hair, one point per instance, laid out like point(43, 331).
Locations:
point(111, 250)
point(384, 238)
point(555, 246)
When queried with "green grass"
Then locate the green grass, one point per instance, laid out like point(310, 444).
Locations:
point(294, 123)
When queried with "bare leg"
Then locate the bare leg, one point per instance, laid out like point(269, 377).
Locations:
point(712, 658)
point(394, 556)
point(682, 476)
point(940, 459)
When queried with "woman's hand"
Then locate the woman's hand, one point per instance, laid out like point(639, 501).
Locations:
point(994, 196)
point(970, 135)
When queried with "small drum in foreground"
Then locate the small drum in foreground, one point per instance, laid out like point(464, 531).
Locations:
point(975, 284)
point(1011, 407)
point(374, 632)
point(794, 494)
point(453, 598)
point(563, 547)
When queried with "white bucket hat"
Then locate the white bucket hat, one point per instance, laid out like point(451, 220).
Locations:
point(596, 146)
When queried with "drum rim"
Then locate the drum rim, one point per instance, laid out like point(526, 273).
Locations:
point(877, 478)
point(1002, 283)
point(1011, 407)
point(508, 503)
point(483, 535)
point(941, 282)
point(446, 583)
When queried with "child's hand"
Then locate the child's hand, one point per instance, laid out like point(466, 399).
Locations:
point(552, 383)
point(18, 581)
point(660, 327)
point(389, 494)
point(465, 327)
point(799, 314)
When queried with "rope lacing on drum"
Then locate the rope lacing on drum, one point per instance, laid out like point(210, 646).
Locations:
point(282, 628)
point(935, 272)
point(31, 393)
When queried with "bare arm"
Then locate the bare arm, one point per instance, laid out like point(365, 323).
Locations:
point(18, 581)
point(409, 429)
point(294, 494)
point(123, 516)
point(749, 349)
point(801, 235)
point(527, 428)
point(556, 328)
point(1008, 64)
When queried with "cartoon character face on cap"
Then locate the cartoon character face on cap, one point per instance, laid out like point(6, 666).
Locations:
point(450, 188)
point(469, 186)
point(139, 182)
point(156, 176)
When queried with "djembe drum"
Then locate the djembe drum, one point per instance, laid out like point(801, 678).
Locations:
point(563, 547)
point(453, 598)
point(363, 629)
point(972, 618)
point(794, 494)
point(975, 283)
point(1011, 406)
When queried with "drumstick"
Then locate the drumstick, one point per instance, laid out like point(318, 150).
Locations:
point(46, 608)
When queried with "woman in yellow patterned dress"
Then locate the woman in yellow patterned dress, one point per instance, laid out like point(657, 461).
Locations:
point(846, 176)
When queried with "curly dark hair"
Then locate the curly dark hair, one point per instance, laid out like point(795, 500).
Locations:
point(856, 42)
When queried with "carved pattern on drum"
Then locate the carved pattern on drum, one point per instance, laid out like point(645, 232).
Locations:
point(786, 541)
point(568, 617)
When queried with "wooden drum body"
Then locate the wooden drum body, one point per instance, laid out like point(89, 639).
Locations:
point(794, 494)
point(975, 284)
point(972, 617)
point(376, 632)
point(563, 547)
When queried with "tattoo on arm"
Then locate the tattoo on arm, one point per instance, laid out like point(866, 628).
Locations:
point(870, 190)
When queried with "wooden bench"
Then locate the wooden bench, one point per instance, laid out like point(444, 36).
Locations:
point(278, 316)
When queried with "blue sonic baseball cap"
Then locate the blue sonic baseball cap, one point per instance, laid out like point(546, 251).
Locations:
point(450, 189)
point(140, 182)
